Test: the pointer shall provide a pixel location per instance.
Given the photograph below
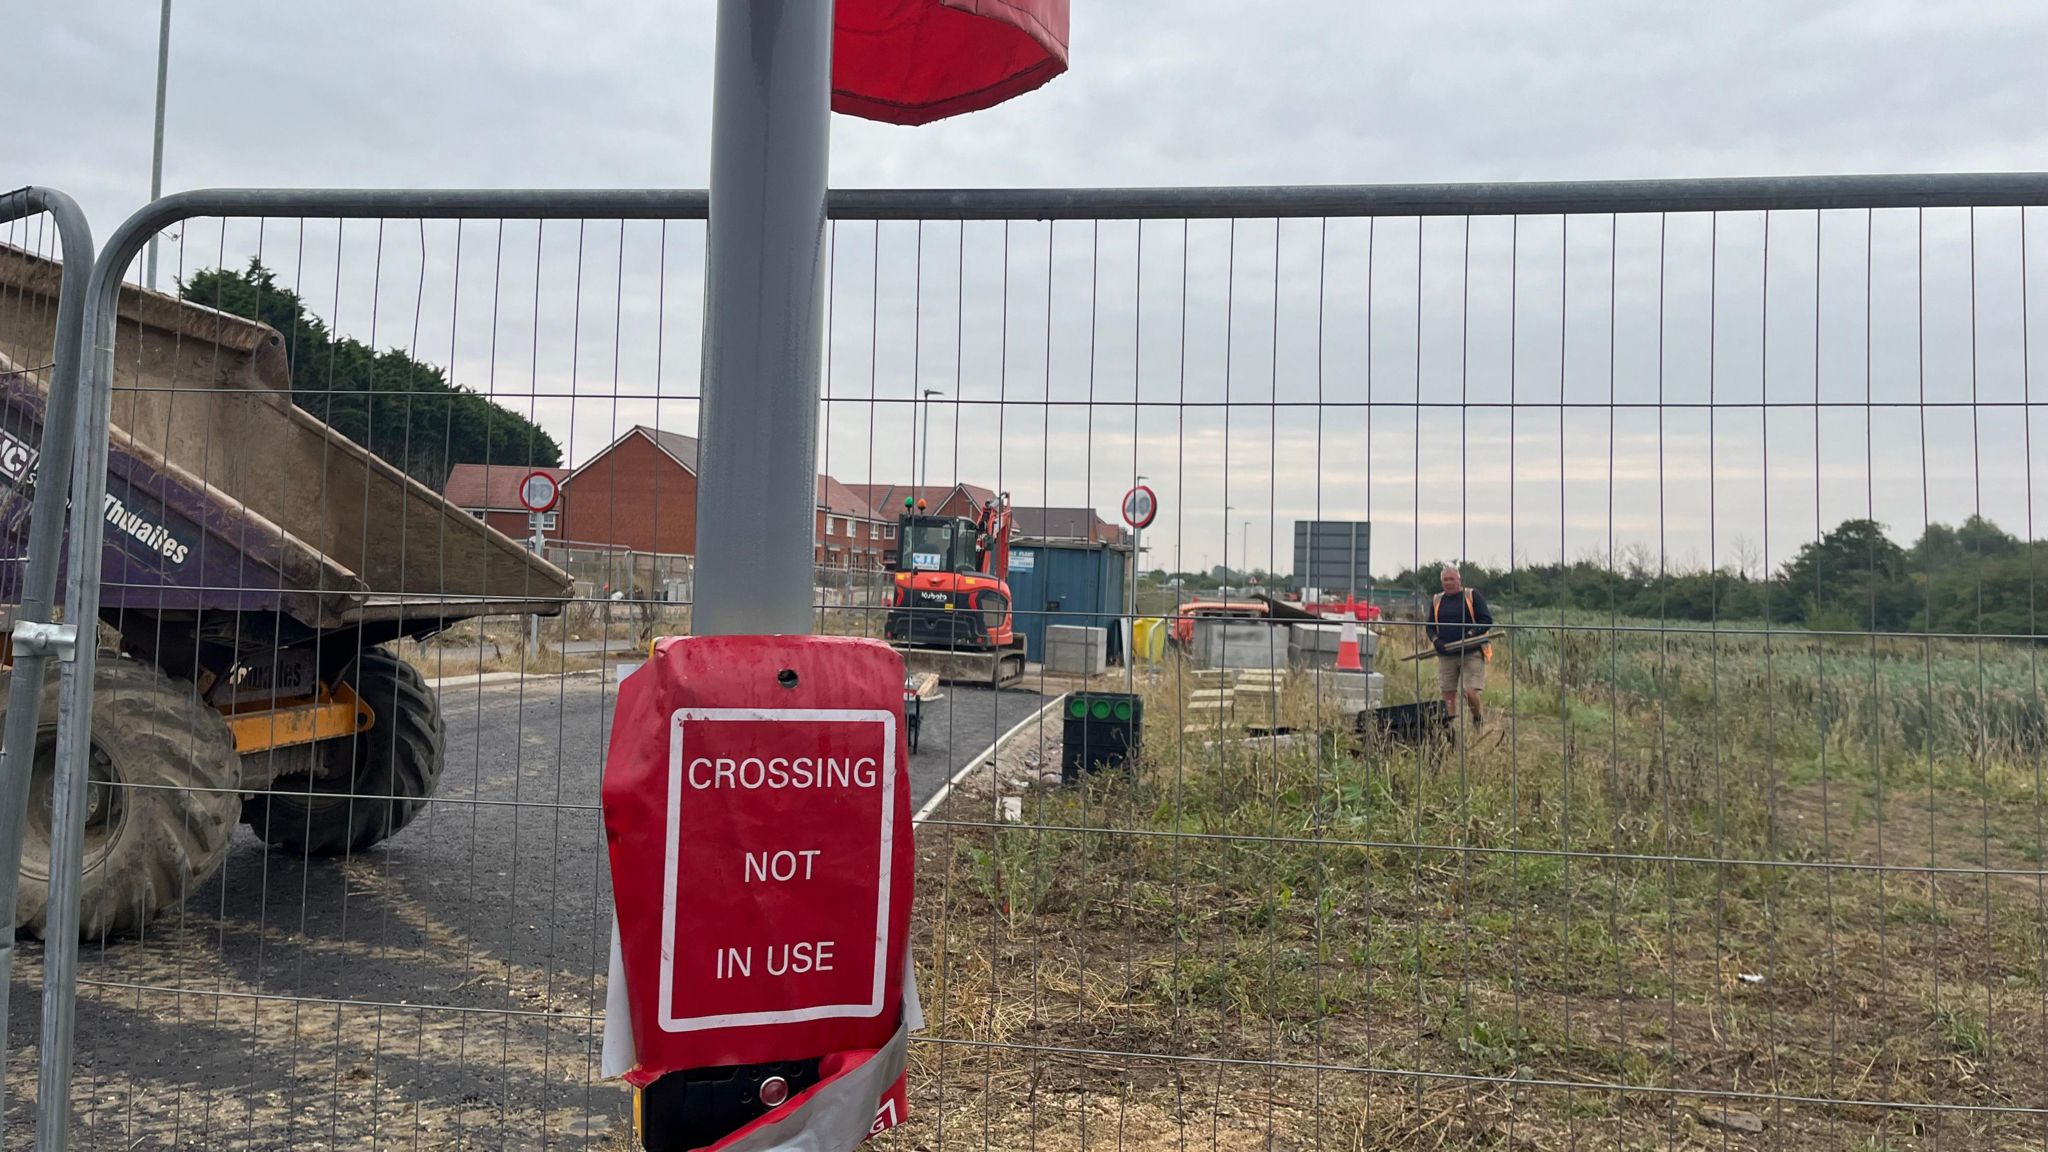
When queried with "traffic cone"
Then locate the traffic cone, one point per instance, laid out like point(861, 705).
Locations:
point(1347, 647)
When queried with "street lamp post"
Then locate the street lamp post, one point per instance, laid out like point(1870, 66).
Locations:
point(156, 159)
point(925, 450)
point(1227, 510)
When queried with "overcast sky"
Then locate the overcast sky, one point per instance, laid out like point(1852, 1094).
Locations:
point(1189, 93)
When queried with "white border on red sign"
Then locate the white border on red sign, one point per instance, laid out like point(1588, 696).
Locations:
point(554, 491)
point(669, 1022)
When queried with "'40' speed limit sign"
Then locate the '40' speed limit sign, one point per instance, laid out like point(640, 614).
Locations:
point(1140, 506)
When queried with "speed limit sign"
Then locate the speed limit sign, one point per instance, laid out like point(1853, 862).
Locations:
point(539, 491)
point(1140, 506)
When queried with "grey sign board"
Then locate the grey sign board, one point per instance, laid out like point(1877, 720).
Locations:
point(1333, 555)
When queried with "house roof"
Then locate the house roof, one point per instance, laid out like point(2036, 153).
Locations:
point(491, 486)
point(890, 496)
point(676, 446)
point(683, 448)
point(1065, 524)
point(843, 500)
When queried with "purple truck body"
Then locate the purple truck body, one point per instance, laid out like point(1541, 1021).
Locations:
point(223, 496)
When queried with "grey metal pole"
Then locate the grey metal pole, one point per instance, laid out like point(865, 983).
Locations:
point(35, 639)
point(156, 157)
point(1131, 616)
point(1227, 510)
point(764, 275)
point(538, 543)
point(925, 452)
point(1351, 593)
point(1131, 620)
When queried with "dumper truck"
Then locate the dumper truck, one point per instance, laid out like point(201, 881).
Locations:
point(258, 569)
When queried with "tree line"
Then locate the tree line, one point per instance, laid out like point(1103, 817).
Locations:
point(1972, 578)
point(401, 408)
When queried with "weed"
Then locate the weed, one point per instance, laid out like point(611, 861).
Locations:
point(1962, 1030)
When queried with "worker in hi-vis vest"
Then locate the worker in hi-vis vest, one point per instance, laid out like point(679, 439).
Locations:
point(1458, 613)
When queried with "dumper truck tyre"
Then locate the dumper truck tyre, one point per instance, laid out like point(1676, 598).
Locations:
point(160, 808)
point(369, 785)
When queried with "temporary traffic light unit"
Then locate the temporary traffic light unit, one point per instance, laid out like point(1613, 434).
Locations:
point(757, 812)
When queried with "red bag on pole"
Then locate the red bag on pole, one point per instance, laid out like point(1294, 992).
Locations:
point(916, 61)
point(757, 813)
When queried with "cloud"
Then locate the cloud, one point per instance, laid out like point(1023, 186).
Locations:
point(1198, 365)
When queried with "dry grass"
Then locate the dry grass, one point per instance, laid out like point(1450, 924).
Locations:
point(1617, 921)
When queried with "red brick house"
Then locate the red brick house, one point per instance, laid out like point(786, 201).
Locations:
point(637, 495)
point(965, 500)
point(1079, 524)
point(640, 495)
point(962, 500)
point(851, 533)
point(490, 492)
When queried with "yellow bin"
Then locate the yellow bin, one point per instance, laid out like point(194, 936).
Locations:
point(1149, 639)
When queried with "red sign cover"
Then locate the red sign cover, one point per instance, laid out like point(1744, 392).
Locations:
point(757, 810)
point(916, 61)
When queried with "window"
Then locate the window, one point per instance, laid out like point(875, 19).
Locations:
point(939, 544)
point(832, 527)
point(477, 512)
point(888, 531)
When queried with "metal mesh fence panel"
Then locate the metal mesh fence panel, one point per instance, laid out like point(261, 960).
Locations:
point(45, 260)
point(1747, 848)
point(1741, 844)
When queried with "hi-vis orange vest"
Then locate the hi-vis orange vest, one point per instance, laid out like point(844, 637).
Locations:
point(1436, 616)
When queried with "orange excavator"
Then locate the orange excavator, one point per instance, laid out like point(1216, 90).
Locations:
point(949, 612)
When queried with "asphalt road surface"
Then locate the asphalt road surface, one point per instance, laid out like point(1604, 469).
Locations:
point(440, 991)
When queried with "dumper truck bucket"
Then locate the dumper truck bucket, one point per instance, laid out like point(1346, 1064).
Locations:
point(223, 494)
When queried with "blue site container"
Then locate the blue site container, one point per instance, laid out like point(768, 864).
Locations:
point(1058, 583)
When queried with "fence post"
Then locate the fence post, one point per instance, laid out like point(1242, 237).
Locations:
point(764, 285)
point(34, 641)
point(74, 701)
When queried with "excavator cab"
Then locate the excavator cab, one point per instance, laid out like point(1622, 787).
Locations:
point(938, 544)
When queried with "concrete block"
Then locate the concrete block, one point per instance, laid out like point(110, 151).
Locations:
point(1350, 692)
point(1315, 645)
point(1225, 643)
point(1072, 650)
